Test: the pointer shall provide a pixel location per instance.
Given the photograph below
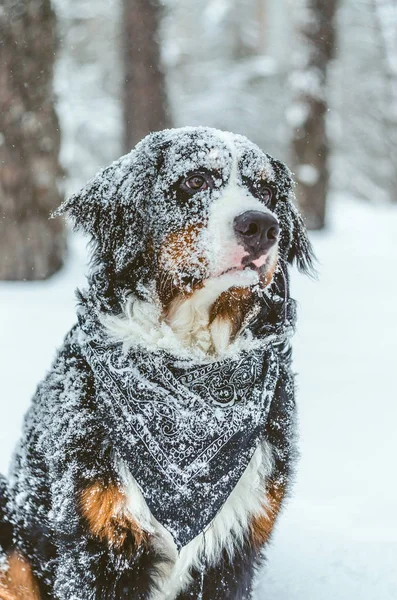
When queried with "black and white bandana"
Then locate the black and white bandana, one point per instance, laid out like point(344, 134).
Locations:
point(187, 431)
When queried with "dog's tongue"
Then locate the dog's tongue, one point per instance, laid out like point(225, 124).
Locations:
point(259, 262)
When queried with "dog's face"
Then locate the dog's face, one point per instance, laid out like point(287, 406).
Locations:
point(215, 208)
point(192, 206)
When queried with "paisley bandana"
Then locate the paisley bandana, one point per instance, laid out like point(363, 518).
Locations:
point(187, 431)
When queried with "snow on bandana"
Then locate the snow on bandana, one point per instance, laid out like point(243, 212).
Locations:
point(186, 430)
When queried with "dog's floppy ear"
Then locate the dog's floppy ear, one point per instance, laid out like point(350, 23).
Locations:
point(295, 242)
point(300, 250)
point(110, 209)
point(95, 208)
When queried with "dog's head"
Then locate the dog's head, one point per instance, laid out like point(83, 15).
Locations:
point(191, 210)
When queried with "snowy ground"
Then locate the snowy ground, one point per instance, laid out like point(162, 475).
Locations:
point(337, 539)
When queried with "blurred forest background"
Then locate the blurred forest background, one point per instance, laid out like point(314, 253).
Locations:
point(313, 82)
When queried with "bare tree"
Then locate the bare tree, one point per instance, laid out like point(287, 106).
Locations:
point(386, 21)
point(31, 245)
point(308, 112)
point(145, 105)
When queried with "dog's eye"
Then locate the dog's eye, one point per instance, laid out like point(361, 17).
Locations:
point(264, 192)
point(195, 183)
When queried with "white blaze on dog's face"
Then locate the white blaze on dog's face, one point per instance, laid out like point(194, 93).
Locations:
point(242, 233)
point(232, 248)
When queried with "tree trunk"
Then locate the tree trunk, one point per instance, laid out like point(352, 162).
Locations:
point(386, 21)
point(31, 245)
point(145, 104)
point(309, 144)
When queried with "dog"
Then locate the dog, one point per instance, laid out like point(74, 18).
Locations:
point(160, 448)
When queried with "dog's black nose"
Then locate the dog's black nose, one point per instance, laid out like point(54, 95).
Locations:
point(257, 231)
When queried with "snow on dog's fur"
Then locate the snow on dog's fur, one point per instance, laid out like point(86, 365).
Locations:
point(192, 233)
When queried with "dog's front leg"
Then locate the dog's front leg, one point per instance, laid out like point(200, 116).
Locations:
point(104, 555)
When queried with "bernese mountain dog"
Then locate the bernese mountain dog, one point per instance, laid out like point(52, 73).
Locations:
point(158, 451)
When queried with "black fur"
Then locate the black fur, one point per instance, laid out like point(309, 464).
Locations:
point(5, 524)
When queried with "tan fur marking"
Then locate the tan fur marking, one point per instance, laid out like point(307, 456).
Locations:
point(103, 507)
point(176, 254)
point(179, 246)
point(232, 305)
point(18, 582)
point(262, 526)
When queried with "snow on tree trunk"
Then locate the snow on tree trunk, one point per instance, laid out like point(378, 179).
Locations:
point(31, 245)
point(308, 111)
point(145, 105)
point(386, 20)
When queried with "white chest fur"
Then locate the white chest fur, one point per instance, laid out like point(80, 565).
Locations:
point(226, 531)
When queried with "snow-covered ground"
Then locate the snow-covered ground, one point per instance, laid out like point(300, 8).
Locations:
point(337, 538)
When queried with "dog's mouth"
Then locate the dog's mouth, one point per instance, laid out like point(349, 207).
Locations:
point(262, 265)
point(242, 270)
point(258, 264)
